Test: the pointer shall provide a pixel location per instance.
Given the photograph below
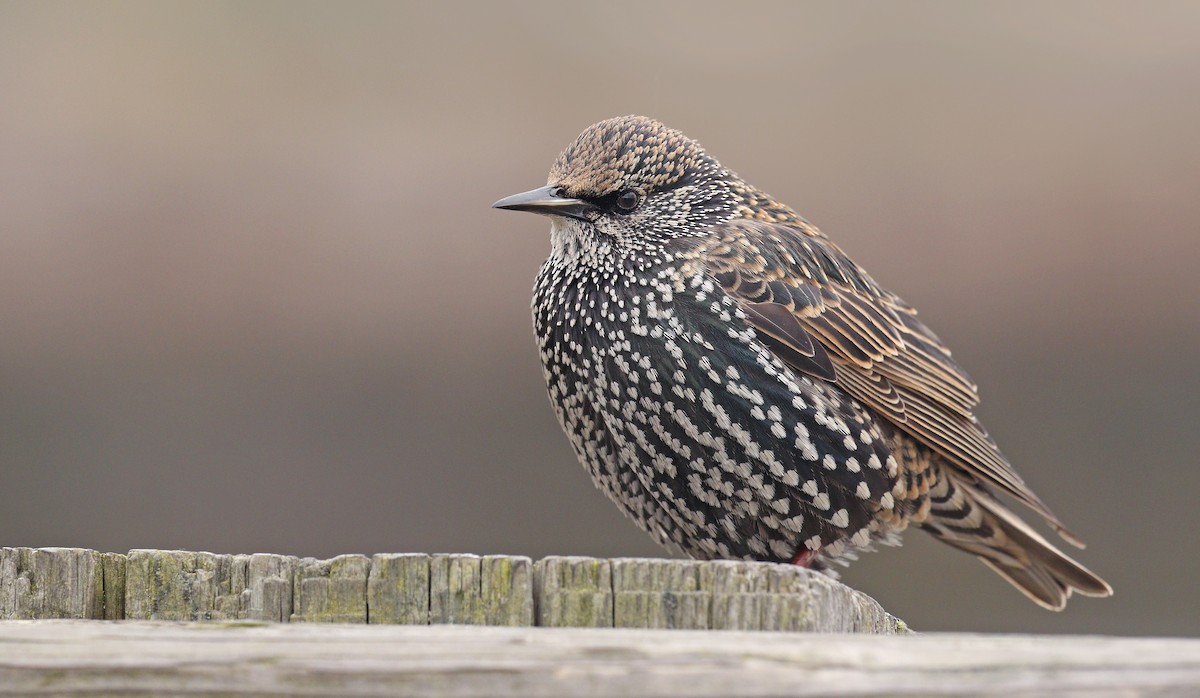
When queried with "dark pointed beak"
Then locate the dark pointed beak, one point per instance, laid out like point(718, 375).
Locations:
point(547, 201)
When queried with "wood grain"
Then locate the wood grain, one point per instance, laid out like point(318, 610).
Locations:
point(66, 658)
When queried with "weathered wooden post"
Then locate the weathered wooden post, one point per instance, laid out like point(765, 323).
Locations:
point(195, 623)
point(419, 589)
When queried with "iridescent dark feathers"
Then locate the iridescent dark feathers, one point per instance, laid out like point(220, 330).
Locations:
point(742, 388)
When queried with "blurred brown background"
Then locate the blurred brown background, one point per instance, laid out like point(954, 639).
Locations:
point(253, 297)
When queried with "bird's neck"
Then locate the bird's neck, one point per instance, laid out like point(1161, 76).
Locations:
point(573, 246)
point(756, 204)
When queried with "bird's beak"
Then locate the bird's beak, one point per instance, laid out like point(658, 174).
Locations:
point(547, 201)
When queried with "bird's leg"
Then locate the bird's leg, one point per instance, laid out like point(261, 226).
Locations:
point(805, 557)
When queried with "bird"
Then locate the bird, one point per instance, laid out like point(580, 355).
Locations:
point(742, 389)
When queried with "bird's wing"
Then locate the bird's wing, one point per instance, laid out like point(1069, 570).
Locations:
point(824, 316)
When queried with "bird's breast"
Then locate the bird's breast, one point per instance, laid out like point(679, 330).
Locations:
point(658, 373)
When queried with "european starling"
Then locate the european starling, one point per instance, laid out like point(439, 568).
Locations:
point(742, 389)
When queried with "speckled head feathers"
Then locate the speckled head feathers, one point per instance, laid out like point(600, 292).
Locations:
point(628, 152)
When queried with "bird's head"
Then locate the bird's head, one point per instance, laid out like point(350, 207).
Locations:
point(635, 182)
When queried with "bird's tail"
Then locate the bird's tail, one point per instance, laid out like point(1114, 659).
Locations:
point(970, 518)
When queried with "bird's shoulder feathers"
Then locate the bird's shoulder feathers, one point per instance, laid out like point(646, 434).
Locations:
point(823, 315)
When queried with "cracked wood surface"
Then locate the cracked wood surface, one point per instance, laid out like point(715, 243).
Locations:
point(65, 658)
point(421, 589)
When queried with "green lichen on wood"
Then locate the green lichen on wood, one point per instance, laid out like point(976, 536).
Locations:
point(455, 590)
point(398, 589)
point(112, 585)
point(573, 592)
point(736, 599)
point(649, 593)
point(185, 585)
point(331, 591)
point(507, 590)
point(788, 597)
point(172, 584)
point(439, 589)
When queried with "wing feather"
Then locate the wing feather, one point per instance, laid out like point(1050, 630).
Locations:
point(824, 316)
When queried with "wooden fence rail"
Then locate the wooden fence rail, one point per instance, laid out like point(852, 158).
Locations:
point(242, 658)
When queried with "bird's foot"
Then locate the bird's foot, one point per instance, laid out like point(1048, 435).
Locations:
point(805, 557)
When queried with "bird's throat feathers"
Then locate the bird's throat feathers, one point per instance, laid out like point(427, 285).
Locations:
point(573, 242)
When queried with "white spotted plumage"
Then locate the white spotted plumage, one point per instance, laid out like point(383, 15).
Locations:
point(741, 389)
point(653, 456)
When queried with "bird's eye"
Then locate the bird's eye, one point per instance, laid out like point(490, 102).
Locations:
point(627, 201)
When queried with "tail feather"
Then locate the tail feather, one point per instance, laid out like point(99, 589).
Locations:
point(970, 518)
